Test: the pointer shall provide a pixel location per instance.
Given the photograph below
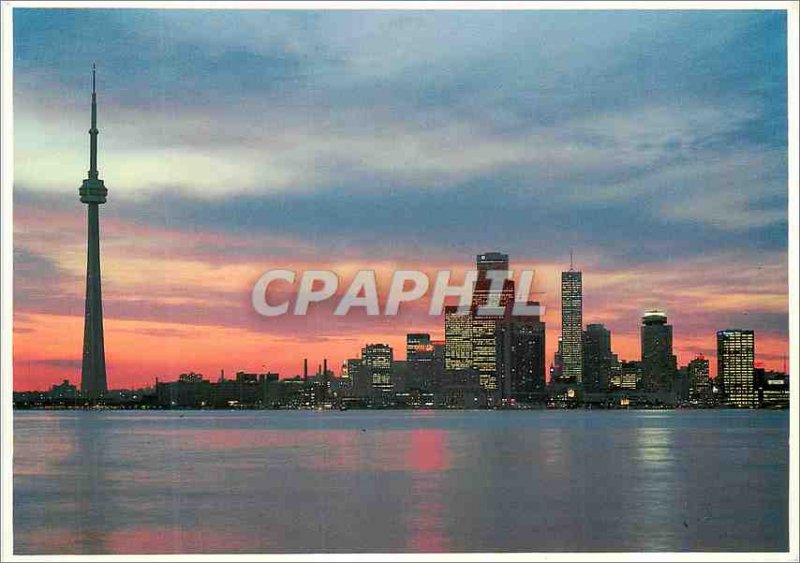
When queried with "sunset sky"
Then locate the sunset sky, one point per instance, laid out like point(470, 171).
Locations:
point(653, 143)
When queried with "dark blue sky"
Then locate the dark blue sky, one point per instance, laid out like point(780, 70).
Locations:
point(592, 128)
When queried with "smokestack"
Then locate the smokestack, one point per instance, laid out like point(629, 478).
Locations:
point(305, 369)
point(325, 368)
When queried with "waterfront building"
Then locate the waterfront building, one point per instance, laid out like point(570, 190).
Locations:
point(772, 388)
point(487, 339)
point(64, 391)
point(571, 325)
point(659, 364)
point(377, 360)
point(630, 375)
point(735, 357)
point(457, 338)
point(523, 347)
point(597, 358)
point(699, 380)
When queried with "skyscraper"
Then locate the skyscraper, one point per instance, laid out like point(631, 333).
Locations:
point(597, 357)
point(659, 365)
point(735, 357)
point(523, 368)
point(486, 342)
point(457, 339)
point(93, 193)
point(571, 325)
point(699, 383)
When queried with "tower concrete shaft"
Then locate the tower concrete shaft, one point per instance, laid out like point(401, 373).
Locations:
point(94, 384)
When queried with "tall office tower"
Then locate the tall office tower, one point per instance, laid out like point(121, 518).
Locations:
point(487, 346)
point(523, 358)
point(659, 365)
point(735, 356)
point(419, 347)
point(597, 358)
point(93, 193)
point(457, 339)
point(697, 373)
point(485, 351)
point(572, 325)
point(377, 359)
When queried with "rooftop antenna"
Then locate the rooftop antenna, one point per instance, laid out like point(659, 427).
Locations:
point(571, 264)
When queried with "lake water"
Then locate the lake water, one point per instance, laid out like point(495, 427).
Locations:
point(408, 481)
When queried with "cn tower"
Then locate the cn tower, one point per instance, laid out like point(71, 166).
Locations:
point(93, 193)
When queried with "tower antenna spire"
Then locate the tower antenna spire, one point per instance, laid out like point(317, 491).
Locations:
point(571, 264)
point(93, 173)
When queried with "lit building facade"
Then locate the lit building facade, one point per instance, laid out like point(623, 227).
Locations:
point(735, 358)
point(377, 361)
point(772, 388)
point(485, 350)
point(572, 326)
point(457, 339)
point(630, 374)
point(487, 330)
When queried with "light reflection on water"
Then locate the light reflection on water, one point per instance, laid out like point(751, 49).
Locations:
point(250, 482)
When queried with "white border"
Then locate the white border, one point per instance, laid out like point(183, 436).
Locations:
point(6, 280)
point(793, 100)
point(6, 243)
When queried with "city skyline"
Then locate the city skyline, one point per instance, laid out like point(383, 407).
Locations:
point(459, 173)
point(658, 365)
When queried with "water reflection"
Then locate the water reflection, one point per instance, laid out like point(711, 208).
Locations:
point(655, 492)
point(428, 458)
point(399, 481)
